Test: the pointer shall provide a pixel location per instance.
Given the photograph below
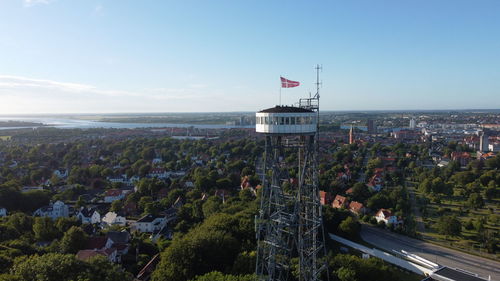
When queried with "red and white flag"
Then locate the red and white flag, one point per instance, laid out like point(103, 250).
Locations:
point(285, 83)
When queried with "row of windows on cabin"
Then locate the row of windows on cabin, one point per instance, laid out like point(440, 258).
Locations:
point(306, 120)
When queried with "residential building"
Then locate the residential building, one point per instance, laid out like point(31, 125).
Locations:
point(371, 127)
point(118, 240)
point(357, 208)
point(325, 197)
point(483, 142)
point(112, 218)
point(461, 157)
point(495, 147)
point(149, 223)
point(387, 217)
point(413, 124)
point(96, 242)
point(340, 202)
point(110, 254)
point(88, 215)
point(376, 182)
point(61, 173)
point(113, 195)
point(53, 211)
point(159, 173)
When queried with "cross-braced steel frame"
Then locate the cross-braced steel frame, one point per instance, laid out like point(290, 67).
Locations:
point(290, 219)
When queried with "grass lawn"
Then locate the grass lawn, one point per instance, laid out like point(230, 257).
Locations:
point(454, 205)
point(5, 137)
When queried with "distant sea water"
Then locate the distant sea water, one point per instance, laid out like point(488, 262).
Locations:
point(68, 123)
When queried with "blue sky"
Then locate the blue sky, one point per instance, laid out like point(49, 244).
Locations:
point(170, 56)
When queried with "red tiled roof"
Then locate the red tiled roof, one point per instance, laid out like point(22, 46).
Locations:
point(356, 207)
point(460, 154)
point(325, 197)
point(339, 201)
point(96, 242)
point(87, 254)
point(113, 192)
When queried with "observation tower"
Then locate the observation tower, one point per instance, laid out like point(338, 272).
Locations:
point(289, 223)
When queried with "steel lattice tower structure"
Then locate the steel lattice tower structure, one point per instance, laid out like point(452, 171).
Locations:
point(289, 223)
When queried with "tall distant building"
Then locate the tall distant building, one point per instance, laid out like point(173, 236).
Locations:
point(371, 127)
point(483, 142)
point(351, 135)
point(413, 123)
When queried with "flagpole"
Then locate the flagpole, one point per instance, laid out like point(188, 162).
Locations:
point(280, 95)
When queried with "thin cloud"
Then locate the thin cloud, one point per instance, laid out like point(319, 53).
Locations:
point(30, 88)
point(30, 3)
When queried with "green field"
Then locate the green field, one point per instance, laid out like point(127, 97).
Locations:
point(454, 205)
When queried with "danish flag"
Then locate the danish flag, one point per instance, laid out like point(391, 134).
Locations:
point(285, 83)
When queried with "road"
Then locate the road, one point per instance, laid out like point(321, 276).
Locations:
point(391, 241)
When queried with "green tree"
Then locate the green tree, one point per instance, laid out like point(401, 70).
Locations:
point(449, 226)
point(352, 268)
point(491, 191)
point(63, 267)
point(49, 267)
point(211, 206)
point(116, 206)
point(73, 240)
point(196, 253)
point(214, 245)
point(360, 191)
point(244, 263)
point(63, 224)
point(80, 202)
point(8, 232)
point(349, 228)
point(475, 201)
point(44, 229)
point(21, 222)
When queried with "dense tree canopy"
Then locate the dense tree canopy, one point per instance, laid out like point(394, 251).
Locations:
point(60, 267)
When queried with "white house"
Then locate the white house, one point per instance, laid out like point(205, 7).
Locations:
point(61, 173)
point(124, 179)
point(3, 212)
point(113, 195)
point(112, 218)
point(88, 215)
point(387, 217)
point(149, 223)
point(160, 173)
point(53, 211)
point(157, 161)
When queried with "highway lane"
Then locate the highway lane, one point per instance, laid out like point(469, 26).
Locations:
point(391, 241)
